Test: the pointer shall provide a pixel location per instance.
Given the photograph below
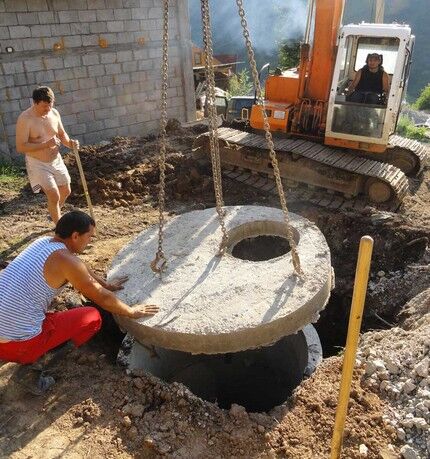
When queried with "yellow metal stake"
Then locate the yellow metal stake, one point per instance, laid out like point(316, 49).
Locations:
point(84, 184)
point(355, 316)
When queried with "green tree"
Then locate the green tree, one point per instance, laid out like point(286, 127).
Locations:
point(289, 54)
point(423, 101)
point(239, 84)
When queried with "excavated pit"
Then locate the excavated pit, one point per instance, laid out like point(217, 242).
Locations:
point(236, 328)
point(258, 379)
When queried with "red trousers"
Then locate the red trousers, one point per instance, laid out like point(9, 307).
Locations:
point(77, 325)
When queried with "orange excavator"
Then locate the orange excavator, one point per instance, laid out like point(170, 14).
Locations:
point(327, 138)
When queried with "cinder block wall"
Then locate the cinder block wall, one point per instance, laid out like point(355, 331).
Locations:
point(101, 57)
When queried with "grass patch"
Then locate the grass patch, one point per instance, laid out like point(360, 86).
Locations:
point(11, 176)
point(406, 128)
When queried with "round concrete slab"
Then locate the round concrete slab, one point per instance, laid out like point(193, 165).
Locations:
point(210, 304)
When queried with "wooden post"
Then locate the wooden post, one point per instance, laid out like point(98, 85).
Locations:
point(84, 183)
point(355, 316)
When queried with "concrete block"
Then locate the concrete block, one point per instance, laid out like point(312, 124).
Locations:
point(96, 4)
point(77, 4)
point(90, 40)
point(69, 119)
point(95, 125)
point(79, 28)
point(20, 79)
point(77, 129)
point(155, 35)
point(131, 3)
point(10, 68)
point(44, 77)
point(104, 15)
point(122, 14)
point(8, 19)
point(60, 29)
point(102, 113)
point(123, 56)
point(80, 72)
point(105, 81)
point(10, 94)
point(63, 74)
point(136, 130)
point(111, 38)
point(91, 59)
point(132, 26)
point(99, 93)
point(98, 27)
point(139, 13)
point(27, 18)
point(46, 17)
point(6, 80)
point(87, 83)
point(155, 13)
point(40, 31)
point(37, 5)
point(115, 26)
point(84, 117)
point(72, 61)
point(68, 16)
point(70, 85)
point(12, 106)
point(92, 138)
point(138, 76)
point(54, 63)
point(87, 16)
point(4, 33)
point(113, 69)
point(147, 64)
point(19, 32)
point(108, 102)
point(16, 5)
point(123, 78)
point(108, 57)
point(112, 122)
point(140, 54)
point(96, 70)
point(129, 66)
point(114, 3)
point(73, 41)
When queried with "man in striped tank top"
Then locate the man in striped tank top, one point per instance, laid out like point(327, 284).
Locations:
point(32, 280)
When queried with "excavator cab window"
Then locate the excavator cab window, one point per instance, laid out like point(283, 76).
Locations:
point(361, 110)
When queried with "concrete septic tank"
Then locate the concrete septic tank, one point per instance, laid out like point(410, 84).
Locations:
point(246, 299)
point(257, 379)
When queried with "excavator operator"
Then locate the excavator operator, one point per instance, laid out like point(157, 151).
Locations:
point(370, 83)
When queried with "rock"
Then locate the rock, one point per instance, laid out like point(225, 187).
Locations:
point(126, 421)
point(422, 369)
point(381, 273)
point(401, 434)
point(408, 453)
point(134, 409)
point(408, 386)
point(132, 433)
point(363, 450)
point(392, 366)
point(373, 366)
point(238, 411)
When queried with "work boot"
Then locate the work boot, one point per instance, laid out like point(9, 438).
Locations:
point(33, 381)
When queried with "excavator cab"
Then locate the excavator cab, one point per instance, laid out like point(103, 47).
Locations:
point(368, 124)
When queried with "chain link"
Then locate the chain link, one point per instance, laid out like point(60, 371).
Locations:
point(158, 265)
point(269, 139)
point(213, 119)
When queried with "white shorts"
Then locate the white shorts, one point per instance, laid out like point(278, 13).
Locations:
point(46, 175)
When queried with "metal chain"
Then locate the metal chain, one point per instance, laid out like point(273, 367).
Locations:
point(269, 139)
point(158, 265)
point(213, 118)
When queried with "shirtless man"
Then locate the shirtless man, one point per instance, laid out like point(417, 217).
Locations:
point(39, 134)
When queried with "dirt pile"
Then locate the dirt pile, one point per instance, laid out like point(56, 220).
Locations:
point(397, 366)
point(125, 172)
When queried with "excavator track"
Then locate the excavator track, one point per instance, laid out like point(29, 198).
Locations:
point(416, 154)
point(315, 164)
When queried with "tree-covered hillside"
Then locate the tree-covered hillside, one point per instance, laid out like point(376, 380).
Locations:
point(273, 21)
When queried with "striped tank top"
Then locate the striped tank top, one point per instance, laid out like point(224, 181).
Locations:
point(24, 292)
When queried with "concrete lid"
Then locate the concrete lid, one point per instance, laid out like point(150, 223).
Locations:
point(213, 304)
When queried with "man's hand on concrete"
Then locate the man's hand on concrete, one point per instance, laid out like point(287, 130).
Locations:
point(117, 284)
point(143, 310)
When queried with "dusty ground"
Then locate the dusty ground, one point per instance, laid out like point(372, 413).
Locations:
point(97, 410)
